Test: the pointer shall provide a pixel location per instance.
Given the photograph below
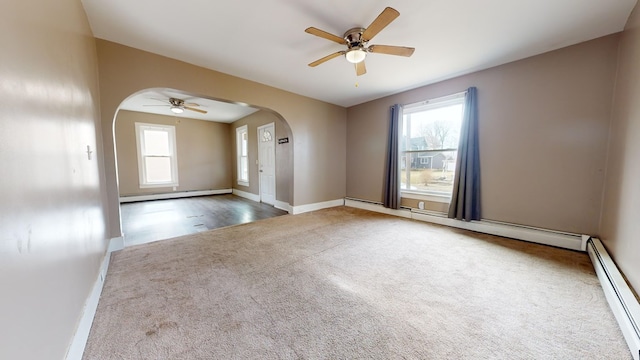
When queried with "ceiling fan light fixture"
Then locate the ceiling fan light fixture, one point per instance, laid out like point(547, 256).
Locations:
point(355, 56)
point(177, 109)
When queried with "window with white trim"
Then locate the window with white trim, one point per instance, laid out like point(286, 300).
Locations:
point(157, 159)
point(429, 137)
point(242, 143)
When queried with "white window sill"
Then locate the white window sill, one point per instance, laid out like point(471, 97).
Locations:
point(243, 183)
point(433, 197)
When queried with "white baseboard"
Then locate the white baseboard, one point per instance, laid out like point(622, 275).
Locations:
point(116, 244)
point(316, 206)
point(540, 236)
point(79, 341)
point(623, 303)
point(173, 195)
point(283, 206)
point(246, 195)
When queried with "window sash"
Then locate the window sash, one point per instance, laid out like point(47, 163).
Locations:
point(242, 142)
point(157, 158)
point(419, 175)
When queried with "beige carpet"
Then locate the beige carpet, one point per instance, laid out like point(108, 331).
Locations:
point(344, 283)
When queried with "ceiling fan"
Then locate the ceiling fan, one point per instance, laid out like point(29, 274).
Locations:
point(178, 106)
point(356, 40)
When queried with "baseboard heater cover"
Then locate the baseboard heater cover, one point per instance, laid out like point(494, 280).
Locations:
point(173, 195)
point(531, 234)
point(621, 299)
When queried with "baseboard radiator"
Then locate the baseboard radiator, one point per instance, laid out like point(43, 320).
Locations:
point(622, 301)
point(514, 231)
point(173, 195)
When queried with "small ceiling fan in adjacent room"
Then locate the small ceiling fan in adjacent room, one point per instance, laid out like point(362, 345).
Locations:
point(356, 40)
point(178, 106)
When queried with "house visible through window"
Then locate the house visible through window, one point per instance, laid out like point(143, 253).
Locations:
point(157, 161)
point(429, 145)
point(242, 142)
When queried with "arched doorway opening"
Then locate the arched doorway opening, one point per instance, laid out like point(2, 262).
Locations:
point(205, 147)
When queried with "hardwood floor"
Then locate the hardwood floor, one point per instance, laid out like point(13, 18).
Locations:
point(148, 221)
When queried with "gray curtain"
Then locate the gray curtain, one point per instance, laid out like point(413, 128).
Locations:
point(392, 178)
point(465, 199)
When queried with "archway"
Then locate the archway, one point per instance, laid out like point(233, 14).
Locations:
point(206, 142)
point(320, 129)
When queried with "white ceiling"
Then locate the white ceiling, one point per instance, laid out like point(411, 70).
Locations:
point(156, 101)
point(264, 41)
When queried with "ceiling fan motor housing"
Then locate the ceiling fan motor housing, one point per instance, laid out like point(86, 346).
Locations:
point(176, 102)
point(354, 38)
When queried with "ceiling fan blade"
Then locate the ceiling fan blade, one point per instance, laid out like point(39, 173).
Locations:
point(191, 104)
point(327, 58)
point(196, 110)
point(163, 100)
point(385, 18)
point(392, 50)
point(155, 105)
point(325, 35)
point(360, 68)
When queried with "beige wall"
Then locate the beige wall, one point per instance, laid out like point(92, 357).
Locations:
point(620, 225)
point(203, 149)
point(52, 217)
point(543, 136)
point(318, 128)
point(284, 155)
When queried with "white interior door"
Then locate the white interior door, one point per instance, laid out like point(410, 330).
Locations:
point(267, 163)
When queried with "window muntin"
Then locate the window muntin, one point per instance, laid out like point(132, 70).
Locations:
point(157, 159)
point(242, 143)
point(429, 137)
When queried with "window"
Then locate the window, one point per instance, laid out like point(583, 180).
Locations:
point(157, 161)
point(242, 143)
point(429, 137)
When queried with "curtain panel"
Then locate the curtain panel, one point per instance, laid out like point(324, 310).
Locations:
point(465, 198)
point(392, 176)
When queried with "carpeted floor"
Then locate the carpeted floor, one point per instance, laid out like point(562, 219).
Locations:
point(345, 283)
